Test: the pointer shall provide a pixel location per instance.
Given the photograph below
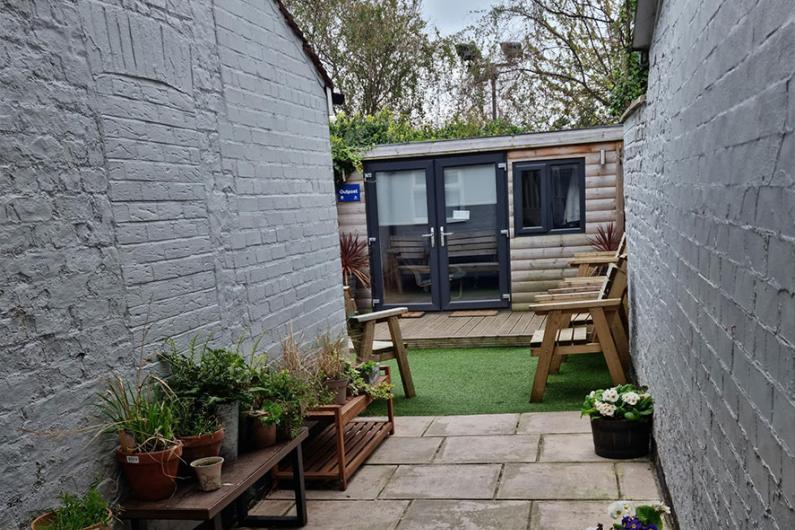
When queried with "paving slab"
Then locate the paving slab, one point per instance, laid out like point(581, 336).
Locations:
point(637, 480)
point(272, 507)
point(553, 422)
point(404, 450)
point(404, 425)
point(489, 449)
point(569, 515)
point(569, 448)
point(366, 484)
point(478, 424)
point(354, 515)
point(582, 481)
point(466, 515)
point(442, 481)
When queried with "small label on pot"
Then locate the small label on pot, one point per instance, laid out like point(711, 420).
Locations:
point(133, 460)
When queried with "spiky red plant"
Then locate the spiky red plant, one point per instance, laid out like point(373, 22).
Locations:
point(355, 259)
point(607, 238)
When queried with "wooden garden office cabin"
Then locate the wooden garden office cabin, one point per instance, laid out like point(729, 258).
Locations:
point(481, 222)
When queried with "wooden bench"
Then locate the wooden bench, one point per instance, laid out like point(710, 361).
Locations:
point(190, 504)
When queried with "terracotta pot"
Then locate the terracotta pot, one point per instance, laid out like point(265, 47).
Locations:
point(339, 388)
point(208, 472)
point(151, 475)
point(264, 435)
point(621, 439)
point(45, 522)
point(202, 446)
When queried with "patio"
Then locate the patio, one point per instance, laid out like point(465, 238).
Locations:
point(534, 471)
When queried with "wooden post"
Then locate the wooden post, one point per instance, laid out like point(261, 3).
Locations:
point(545, 354)
point(605, 338)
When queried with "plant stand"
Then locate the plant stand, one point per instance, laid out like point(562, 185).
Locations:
point(340, 448)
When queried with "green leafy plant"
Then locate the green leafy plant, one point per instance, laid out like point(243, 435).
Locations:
point(270, 414)
point(331, 357)
point(78, 512)
point(382, 390)
point(194, 418)
point(143, 411)
point(631, 516)
point(292, 395)
point(356, 381)
point(210, 376)
point(624, 401)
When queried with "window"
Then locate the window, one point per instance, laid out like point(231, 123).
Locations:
point(549, 196)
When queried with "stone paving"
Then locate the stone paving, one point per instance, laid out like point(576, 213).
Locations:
point(534, 471)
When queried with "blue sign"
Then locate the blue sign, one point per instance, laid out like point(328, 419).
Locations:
point(349, 193)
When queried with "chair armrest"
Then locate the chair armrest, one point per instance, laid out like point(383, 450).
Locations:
point(583, 305)
point(380, 315)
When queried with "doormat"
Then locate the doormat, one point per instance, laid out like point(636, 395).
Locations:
point(475, 313)
point(412, 314)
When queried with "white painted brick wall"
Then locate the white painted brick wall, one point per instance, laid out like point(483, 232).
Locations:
point(160, 174)
point(710, 192)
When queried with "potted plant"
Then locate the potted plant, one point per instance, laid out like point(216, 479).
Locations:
point(621, 419)
point(332, 367)
point(217, 378)
point(142, 415)
point(265, 421)
point(89, 512)
point(198, 429)
point(629, 516)
point(355, 261)
point(369, 371)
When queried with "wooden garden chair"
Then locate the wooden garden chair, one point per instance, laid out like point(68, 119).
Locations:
point(362, 331)
point(588, 263)
point(607, 334)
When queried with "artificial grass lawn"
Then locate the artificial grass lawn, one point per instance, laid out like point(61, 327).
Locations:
point(489, 380)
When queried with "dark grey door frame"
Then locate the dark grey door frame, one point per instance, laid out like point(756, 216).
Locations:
point(434, 171)
point(498, 159)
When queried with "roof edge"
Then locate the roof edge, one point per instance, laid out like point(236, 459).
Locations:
point(610, 133)
point(308, 50)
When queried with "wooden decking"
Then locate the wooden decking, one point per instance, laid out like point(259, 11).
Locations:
point(440, 330)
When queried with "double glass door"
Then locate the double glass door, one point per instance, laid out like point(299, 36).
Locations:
point(438, 232)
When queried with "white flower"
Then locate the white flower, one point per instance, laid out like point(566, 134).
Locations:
point(660, 507)
point(611, 395)
point(605, 409)
point(630, 398)
point(619, 509)
point(592, 394)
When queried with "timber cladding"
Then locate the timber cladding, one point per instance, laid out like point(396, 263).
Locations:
point(537, 262)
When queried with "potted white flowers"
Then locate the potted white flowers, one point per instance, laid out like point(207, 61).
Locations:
point(629, 516)
point(621, 420)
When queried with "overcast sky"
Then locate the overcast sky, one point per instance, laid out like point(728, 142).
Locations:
point(452, 15)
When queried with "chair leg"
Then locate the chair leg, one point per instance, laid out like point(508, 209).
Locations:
point(401, 356)
point(545, 354)
point(620, 337)
point(557, 360)
point(365, 350)
point(605, 338)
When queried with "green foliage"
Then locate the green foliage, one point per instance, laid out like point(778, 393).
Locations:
point(623, 401)
point(208, 375)
point(76, 513)
point(649, 515)
point(632, 76)
point(270, 414)
point(382, 390)
point(193, 417)
point(291, 394)
point(352, 135)
point(144, 410)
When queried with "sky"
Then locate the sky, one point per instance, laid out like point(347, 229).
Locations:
point(451, 16)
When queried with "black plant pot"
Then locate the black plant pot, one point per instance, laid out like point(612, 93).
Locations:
point(621, 439)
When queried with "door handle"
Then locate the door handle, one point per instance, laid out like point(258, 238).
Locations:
point(432, 236)
point(442, 235)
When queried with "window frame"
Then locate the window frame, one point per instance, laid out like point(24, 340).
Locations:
point(546, 196)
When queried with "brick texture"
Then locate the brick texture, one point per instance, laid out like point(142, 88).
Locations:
point(710, 195)
point(165, 171)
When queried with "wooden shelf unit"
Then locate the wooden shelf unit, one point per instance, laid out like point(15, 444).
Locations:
point(340, 448)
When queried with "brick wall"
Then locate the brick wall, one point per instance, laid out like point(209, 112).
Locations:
point(710, 196)
point(164, 171)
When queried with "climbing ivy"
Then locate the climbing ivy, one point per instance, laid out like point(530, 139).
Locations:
point(633, 77)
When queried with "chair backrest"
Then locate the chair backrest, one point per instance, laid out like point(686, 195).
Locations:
point(622, 245)
point(472, 244)
point(408, 248)
point(615, 284)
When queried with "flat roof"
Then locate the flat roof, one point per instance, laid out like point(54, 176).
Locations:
point(497, 143)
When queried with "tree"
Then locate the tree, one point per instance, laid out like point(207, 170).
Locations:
point(378, 52)
point(577, 69)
